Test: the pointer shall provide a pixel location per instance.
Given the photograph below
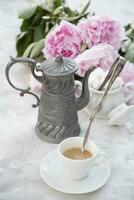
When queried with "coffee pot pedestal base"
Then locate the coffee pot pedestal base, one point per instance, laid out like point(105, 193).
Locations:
point(54, 135)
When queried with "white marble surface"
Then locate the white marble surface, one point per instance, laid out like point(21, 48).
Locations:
point(21, 151)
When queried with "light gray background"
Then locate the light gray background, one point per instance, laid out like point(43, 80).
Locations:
point(21, 151)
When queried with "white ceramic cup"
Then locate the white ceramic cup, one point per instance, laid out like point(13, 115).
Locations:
point(79, 169)
point(113, 99)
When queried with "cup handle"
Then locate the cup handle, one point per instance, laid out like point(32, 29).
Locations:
point(101, 157)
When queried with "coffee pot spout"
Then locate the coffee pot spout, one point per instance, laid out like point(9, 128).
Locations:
point(83, 100)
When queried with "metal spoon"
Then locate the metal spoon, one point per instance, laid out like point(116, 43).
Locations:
point(115, 70)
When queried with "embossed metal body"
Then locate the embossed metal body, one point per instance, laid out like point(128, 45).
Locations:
point(57, 116)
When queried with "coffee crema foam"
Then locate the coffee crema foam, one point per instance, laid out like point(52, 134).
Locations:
point(75, 153)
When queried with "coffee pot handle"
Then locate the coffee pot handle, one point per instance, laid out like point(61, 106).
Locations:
point(32, 65)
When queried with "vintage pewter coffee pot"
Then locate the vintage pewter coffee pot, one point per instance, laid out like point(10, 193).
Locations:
point(58, 105)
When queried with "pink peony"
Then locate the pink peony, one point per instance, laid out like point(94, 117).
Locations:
point(64, 41)
point(101, 55)
point(101, 29)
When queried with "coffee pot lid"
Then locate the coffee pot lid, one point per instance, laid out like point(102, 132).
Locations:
point(59, 66)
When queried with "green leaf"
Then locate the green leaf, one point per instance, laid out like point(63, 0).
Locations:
point(28, 50)
point(84, 9)
point(125, 44)
point(130, 53)
point(70, 19)
point(52, 28)
point(19, 47)
point(130, 33)
point(57, 3)
point(127, 27)
point(27, 12)
point(130, 56)
point(26, 24)
point(75, 18)
point(40, 58)
point(70, 12)
point(131, 47)
point(132, 25)
point(21, 35)
point(47, 5)
point(37, 49)
point(46, 17)
point(23, 42)
point(47, 27)
point(58, 10)
point(39, 32)
point(38, 16)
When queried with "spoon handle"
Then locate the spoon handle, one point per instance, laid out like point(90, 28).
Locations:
point(109, 73)
point(92, 117)
point(116, 69)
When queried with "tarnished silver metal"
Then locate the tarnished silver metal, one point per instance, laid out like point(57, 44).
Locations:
point(57, 116)
point(32, 65)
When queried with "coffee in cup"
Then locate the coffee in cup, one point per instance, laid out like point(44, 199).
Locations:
point(76, 168)
point(76, 154)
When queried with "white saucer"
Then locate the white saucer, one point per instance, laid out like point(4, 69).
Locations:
point(52, 173)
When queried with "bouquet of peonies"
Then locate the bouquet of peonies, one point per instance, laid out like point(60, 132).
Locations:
point(95, 40)
point(38, 19)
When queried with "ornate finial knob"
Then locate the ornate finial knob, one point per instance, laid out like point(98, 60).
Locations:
point(38, 67)
point(59, 59)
